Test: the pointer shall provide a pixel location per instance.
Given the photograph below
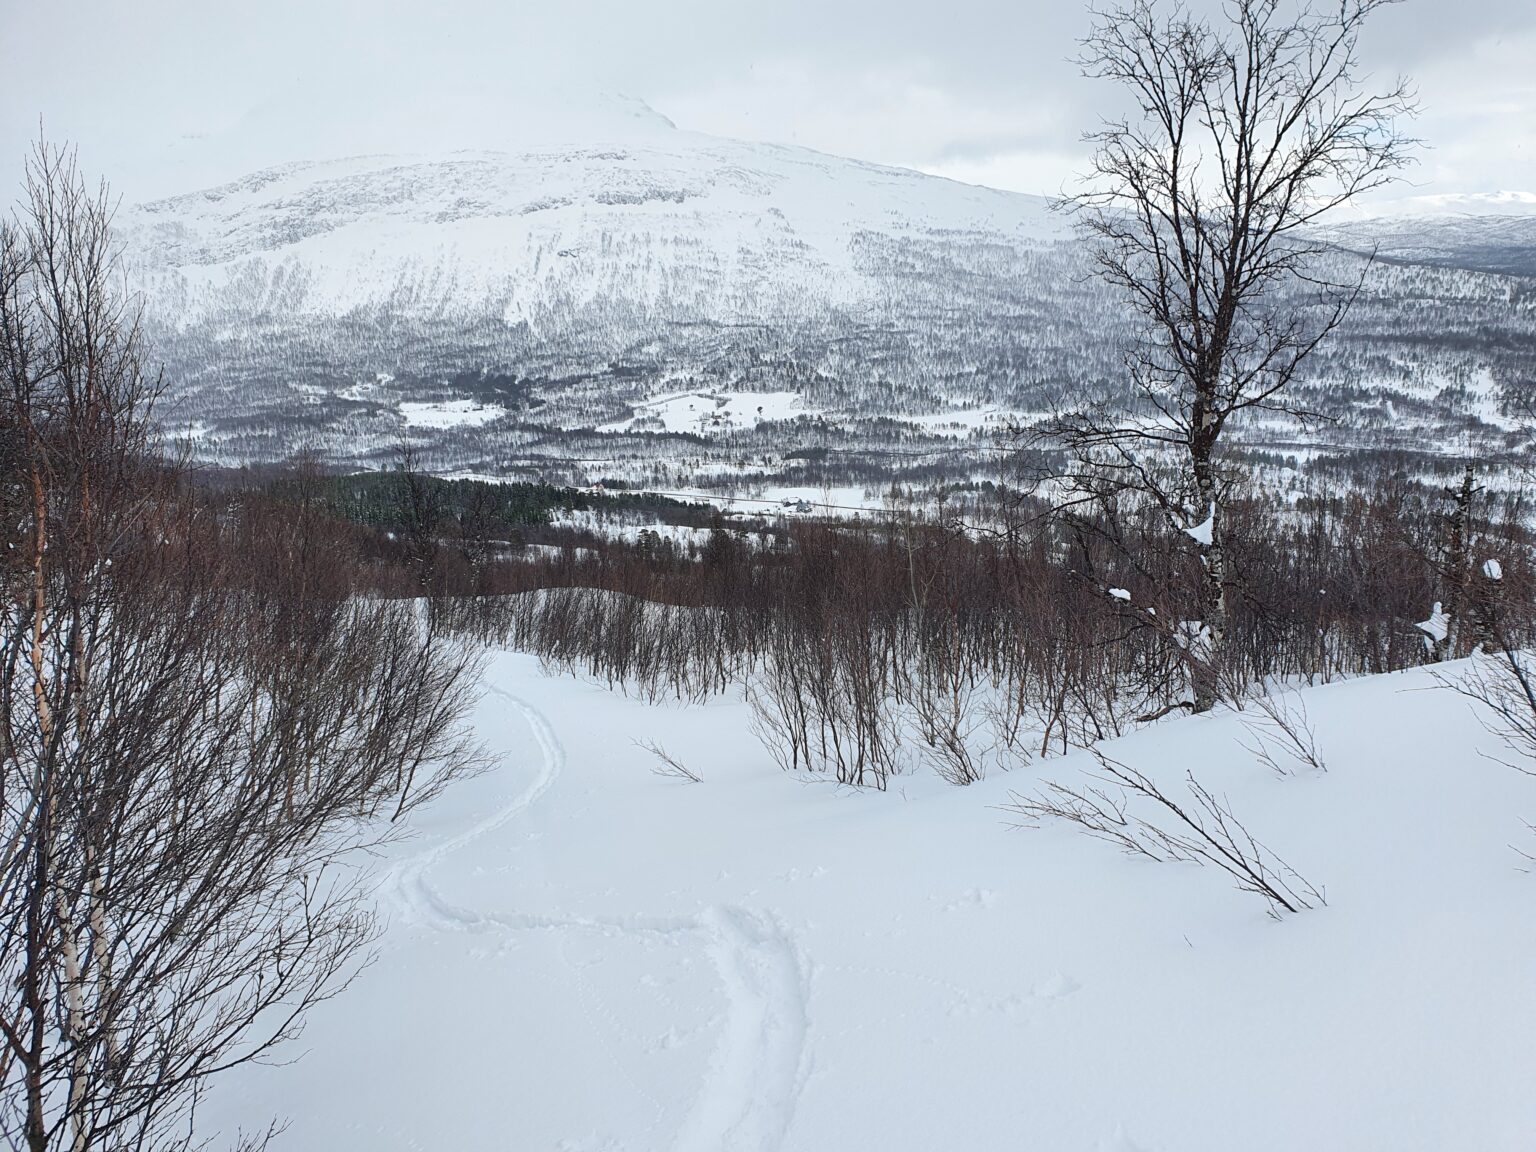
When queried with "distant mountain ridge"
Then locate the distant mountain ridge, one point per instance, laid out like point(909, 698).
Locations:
point(1477, 241)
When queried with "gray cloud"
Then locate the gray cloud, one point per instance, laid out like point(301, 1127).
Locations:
point(979, 89)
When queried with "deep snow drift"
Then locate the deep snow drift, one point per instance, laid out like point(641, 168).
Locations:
point(586, 956)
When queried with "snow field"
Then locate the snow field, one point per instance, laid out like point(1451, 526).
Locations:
point(448, 414)
point(583, 955)
point(714, 412)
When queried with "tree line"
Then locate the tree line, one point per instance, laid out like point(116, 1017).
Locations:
point(870, 646)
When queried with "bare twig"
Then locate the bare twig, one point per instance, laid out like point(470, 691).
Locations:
point(1281, 736)
point(668, 765)
point(1203, 829)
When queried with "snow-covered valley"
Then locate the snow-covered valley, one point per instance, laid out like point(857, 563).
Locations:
point(584, 955)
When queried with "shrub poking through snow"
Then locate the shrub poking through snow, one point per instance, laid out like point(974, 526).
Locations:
point(1282, 734)
point(668, 765)
point(1504, 682)
point(1201, 829)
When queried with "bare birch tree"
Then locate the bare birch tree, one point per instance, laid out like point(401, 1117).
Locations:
point(191, 753)
point(1246, 131)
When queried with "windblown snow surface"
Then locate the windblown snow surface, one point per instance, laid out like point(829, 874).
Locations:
point(585, 957)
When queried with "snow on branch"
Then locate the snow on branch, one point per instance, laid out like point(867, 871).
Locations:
point(1203, 533)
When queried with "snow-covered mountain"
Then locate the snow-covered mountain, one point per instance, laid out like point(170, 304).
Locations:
point(689, 227)
point(1509, 202)
point(552, 288)
point(583, 279)
point(1479, 241)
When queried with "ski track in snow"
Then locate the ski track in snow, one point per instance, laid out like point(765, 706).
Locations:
point(760, 1060)
point(405, 883)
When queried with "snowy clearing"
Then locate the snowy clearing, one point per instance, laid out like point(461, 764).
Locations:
point(584, 955)
point(448, 414)
point(713, 412)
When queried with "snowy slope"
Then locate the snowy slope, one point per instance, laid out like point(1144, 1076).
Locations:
point(1503, 243)
point(680, 221)
point(584, 956)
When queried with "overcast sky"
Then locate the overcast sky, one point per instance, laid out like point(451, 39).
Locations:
point(981, 90)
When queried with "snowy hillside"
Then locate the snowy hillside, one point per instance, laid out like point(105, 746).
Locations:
point(586, 956)
point(687, 226)
point(562, 285)
point(1480, 241)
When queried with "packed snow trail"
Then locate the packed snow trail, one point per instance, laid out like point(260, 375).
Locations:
point(758, 1067)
